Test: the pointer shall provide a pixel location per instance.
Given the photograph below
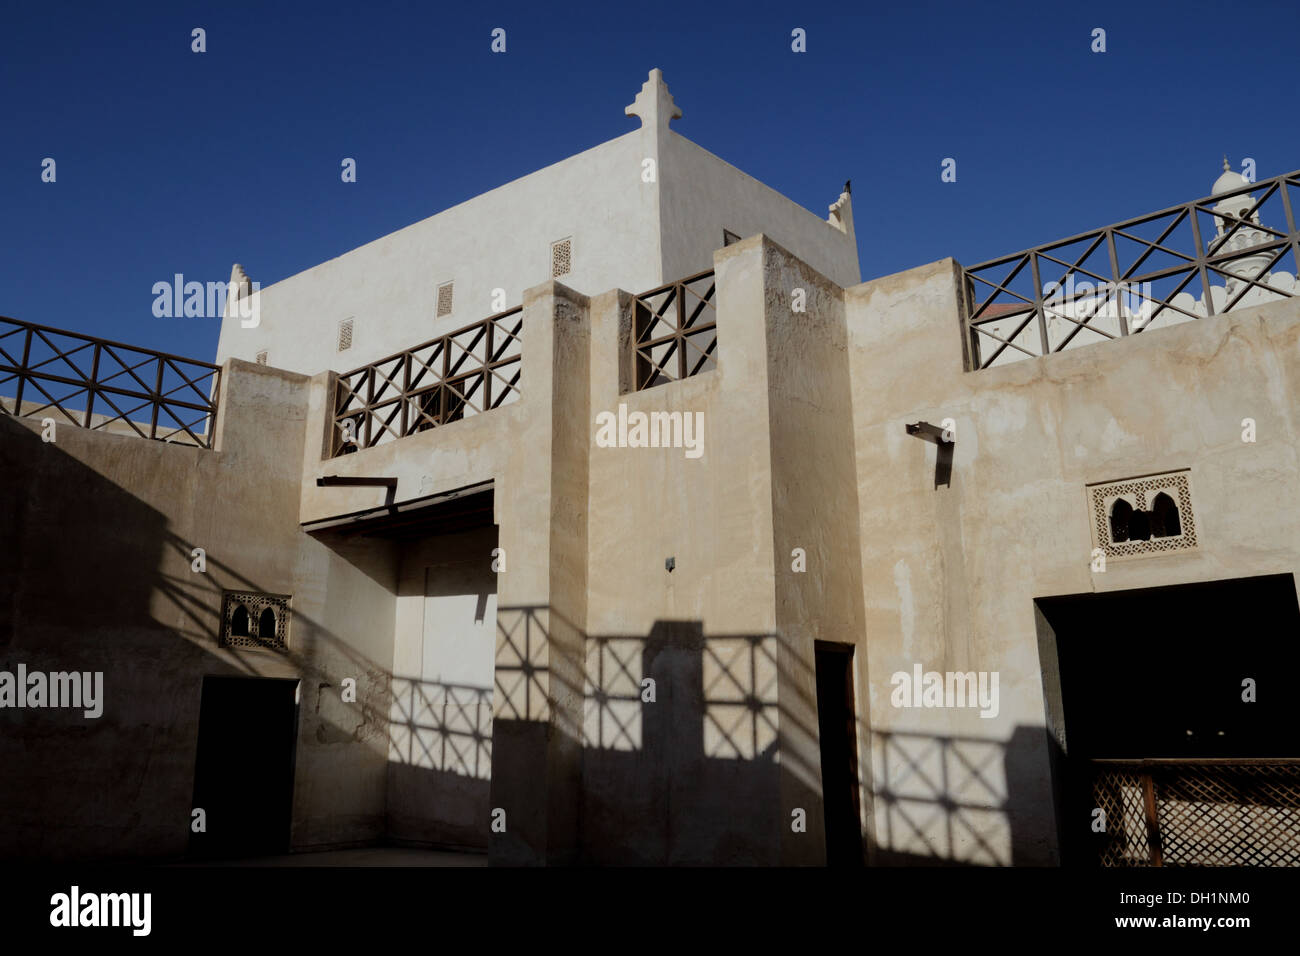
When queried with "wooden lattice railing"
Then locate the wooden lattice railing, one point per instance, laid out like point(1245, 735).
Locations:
point(1201, 258)
point(676, 331)
point(99, 384)
point(1199, 813)
point(455, 376)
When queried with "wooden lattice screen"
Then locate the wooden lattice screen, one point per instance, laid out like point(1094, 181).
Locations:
point(676, 333)
point(1203, 813)
point(464, 373)
point(1135, 275)
point(104, 385)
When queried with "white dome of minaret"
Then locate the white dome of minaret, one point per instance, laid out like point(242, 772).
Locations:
point(1232, 211)
point(1229, 180)
point(1235, 206)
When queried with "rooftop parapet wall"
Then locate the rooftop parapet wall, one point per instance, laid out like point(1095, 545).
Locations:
point(483, 447)
point(450, 457)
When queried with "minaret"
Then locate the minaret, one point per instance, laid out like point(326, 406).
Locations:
point(1227, 213)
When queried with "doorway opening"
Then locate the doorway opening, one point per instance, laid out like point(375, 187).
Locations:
point(243, 775)
point(837, 732)
point(1170, 720)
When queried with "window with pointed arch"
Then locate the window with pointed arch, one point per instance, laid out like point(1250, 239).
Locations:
point(255, 620)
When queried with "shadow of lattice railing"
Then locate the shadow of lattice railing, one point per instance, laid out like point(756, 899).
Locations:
point(445, 727)
point(738, 676)
point(943, 798)
point(523, 663)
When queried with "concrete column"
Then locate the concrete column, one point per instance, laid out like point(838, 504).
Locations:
point(783, 338)
point(814, 509)
point(541, 505)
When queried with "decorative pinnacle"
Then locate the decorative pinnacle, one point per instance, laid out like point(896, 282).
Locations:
point(654, 104)
point(1227, 167)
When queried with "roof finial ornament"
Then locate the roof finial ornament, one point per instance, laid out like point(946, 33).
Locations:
point(1226, 165)
point(654, 104)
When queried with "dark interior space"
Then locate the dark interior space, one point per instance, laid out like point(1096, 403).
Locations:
point(1158, 672)
point(243, 777)
point(1158, 675)
point(836, 723)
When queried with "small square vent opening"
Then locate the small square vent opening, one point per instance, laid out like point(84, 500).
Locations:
point(444, 299)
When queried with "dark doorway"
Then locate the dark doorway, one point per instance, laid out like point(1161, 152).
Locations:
point(837, 730)
point(1159, 674)
point(243, 777)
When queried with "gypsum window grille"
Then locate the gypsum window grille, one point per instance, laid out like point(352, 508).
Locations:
point(1143, 273)
point(675, 331)
point(464, 373)
point(345, 335)
point(1143, 516)
point(445, 299)
point(561, 258)
point(100, 384)
point(261, 358)
point(254, 619)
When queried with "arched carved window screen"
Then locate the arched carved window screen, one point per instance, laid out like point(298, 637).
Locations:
point(254, 619)
point(1143, 516)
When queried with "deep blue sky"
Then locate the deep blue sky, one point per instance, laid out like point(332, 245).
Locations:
point(171, 161)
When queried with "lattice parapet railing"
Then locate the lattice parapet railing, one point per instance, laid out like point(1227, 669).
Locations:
point(99, 384)
point(1199, 813)
point(675, 331)
point(455, 376)
point(1203, 258)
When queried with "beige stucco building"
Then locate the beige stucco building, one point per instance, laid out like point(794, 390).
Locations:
point(560, 570)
